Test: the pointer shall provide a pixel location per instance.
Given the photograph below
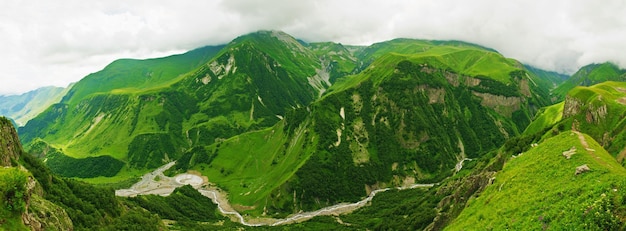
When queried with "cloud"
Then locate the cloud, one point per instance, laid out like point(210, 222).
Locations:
point(57, 42)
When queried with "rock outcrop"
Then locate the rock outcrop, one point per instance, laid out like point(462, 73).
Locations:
point(39, 214)
point(501, 104)
point(10, 146)
point(581, 169)
point(594, 113)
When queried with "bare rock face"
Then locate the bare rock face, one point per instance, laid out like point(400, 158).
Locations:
point(501, 104)
point(10, 146)
point(572, 106)
point(593, 113)
point(581, 169)
point(40, 213)
point(569, 153)
point(525, 87)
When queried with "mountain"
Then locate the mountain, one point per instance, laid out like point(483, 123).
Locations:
point(584, 131)
point(406, 118)
point(392, 113)
point(151, 115)
point(567, 182)
point(340, 60)
point(282, 126)
point(130, 75)
point(595, 110)
point(590, 75)
point(10, 143)
point(22, 108)
point(34, 198)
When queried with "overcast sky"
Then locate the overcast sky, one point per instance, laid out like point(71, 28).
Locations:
point(57, 42)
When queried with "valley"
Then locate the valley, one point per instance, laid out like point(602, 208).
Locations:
point(269, 132)
point(155, 183)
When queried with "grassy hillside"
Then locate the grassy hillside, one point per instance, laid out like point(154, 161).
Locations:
point(250, 166)
point(595, 110)
point(545, 118)
point(339, 59)
point(550, 77)
point(590, 75)
point(540, 190)
point(407, 118)
point(147, 120)
point(132, 75)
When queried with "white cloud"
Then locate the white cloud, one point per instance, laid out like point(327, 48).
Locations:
point(57, 42)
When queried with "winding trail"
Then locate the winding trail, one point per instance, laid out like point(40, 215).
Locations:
point(149, 184)
point(591, 151)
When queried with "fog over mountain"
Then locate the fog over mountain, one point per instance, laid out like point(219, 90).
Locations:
point(58, 42)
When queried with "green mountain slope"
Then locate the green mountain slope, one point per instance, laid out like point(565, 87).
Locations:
point(262, 121)
point(590, 75)
point(551, 77)
point(540, 189)
point(339, 59)
point(596, 110)
point(22, 108)
point(406, 118)
point(34, 198)
point(132, 75)
point(249, 84)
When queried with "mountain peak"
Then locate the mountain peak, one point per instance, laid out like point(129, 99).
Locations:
point(270, 38)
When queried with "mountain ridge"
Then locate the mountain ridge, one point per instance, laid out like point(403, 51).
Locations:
point(283, 126)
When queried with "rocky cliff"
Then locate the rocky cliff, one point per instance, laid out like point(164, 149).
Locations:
point(23, 196)
point(10, 146)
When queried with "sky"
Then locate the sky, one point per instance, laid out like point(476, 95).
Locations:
point(55, 43)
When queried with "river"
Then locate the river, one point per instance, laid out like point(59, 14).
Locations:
point(163, 185)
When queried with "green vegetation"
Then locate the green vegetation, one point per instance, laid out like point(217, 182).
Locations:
point(152, 111)
point(13, 198)
point(252, 165)
point(339, 59)
point(86, 205)
point(67, 166)
point(545, 118)
point(590, 75)
point(547, 78)
point(539, 190)
point(135, 75)
point(259, 119)
point(97, 208)
point(412, 209)
point(184, 204)
point(385, 136)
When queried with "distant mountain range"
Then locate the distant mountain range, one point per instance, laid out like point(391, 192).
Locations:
point(22, 108)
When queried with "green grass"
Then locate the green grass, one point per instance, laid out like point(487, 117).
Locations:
point(470, 61)
point(287, 51)
point(539, 190)
point(135, 75)
point(590, 75)
point(607, 127)
point(124, 179)
point(546, 117)
point(345, 60)
point(13, 194)
point(250, 166)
